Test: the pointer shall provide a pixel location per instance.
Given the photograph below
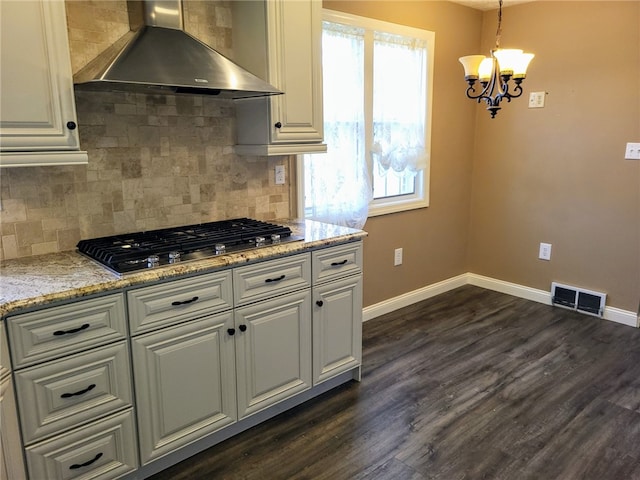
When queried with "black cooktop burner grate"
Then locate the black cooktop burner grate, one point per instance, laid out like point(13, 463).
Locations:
point(134, 251)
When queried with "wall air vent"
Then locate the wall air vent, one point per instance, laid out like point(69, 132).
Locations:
point(579, 299)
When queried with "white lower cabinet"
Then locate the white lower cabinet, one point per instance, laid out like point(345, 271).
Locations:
point(337, 310)
point(207, 372)
point(185, 383)
point(206, 352)
point(73, 385)
point(337, 328)
point(273, 351)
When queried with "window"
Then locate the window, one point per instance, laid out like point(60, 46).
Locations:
point(377, 113)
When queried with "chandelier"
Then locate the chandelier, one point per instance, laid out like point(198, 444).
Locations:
point(495, 72)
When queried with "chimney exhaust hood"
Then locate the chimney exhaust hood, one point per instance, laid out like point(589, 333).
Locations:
point(160, 57)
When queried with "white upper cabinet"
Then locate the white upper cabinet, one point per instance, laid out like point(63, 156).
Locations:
point(38, 124)
point(280, 42)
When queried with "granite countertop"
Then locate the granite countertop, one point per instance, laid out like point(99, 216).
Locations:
point(37, 281)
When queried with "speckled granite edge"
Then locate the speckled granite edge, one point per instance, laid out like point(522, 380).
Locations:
point(37, 281)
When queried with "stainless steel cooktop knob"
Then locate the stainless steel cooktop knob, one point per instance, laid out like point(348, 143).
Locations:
point(174, 257)
point(153, 261)
point(275, 238)
point(260, 240)
point(220, 248)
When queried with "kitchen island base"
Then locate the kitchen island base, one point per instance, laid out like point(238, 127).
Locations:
point(220, 436)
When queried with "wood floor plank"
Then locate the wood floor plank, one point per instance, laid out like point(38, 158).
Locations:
point(471, 384)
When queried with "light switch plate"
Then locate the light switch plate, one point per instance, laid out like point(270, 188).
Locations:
point(536, 99)
point(632, 151)
point(545, 251)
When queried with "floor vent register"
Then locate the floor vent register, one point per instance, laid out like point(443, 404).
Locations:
point(579, 299)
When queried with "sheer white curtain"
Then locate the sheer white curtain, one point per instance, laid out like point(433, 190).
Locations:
point(337, 185)
point(399, 99)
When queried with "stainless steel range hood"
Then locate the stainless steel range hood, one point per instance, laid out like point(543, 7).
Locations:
point(160, 57)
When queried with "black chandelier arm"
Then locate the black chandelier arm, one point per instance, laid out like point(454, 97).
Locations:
point(517, 91)
point(487, 89)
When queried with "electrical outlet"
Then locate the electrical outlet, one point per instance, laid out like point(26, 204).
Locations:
point(545, 251)
point(397, 257)
point(280, 175)
point(632, 151)
point(536, 99)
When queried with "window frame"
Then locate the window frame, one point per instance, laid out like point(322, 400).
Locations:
point(420, 198)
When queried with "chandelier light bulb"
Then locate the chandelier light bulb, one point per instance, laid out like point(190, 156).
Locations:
point(485, 71)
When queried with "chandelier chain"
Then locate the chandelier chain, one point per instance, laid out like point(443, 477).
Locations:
point(499, 30)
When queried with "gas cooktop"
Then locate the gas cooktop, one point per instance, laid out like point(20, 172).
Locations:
point(131, 252)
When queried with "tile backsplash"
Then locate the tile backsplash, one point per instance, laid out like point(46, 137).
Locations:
point(154, 161)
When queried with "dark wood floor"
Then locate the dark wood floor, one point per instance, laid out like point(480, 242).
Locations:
point(471, 384)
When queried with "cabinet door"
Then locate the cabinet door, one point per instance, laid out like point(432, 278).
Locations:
point(36, 97)
point(280, 41)
point(337, 328)
point(184, 383)
point(11, 463)
point(294, 31)
point(273, 351)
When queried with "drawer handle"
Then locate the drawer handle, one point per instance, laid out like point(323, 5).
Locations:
point(337, 264)
point(277, 279)
point(76, 466)
point(73, 330)
point(81, 392)
point(184, 302)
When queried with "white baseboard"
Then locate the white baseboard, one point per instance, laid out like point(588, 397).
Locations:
point(613, 314)
point(410, 298)
point(509, 288)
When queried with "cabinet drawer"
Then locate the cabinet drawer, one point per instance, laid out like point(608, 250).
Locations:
point(103, 450)
point(52, 332)
point(64, 393)
point(271, 278)
point(172, 302)
point(337, 262)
